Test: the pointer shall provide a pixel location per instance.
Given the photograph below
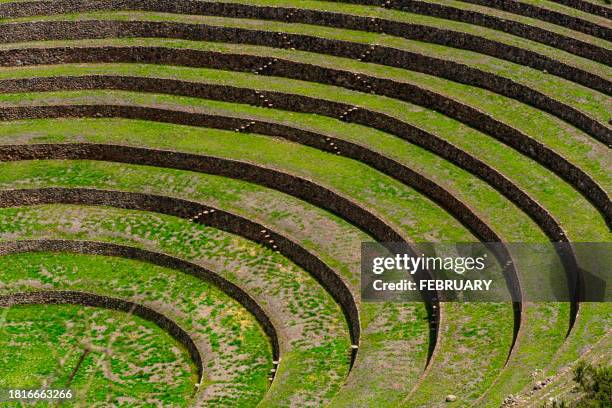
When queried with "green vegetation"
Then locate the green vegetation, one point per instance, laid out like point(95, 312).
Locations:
point(590, 101)
point(595, 383)
point(474, 346)
point(554, 330)
point(307, 318)
point(500, 332)
point(392, 199)
point(541, 183)
point(469, 367)
point(232, 338)
point(365, 11)
point(102, 355)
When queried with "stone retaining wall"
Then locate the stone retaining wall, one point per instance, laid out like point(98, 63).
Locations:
point(529, 31)
point(470, 116)
point(588, 7)
point(156, 258)
point(286, 68)
point(34, 31)
point(552, 16)
point(163, 159)
point(188, 209)
point(236, 10)
point(279, 100)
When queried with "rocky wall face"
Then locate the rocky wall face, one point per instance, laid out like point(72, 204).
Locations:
point(67, 30)
point(320, 198)
point(272, 179)
point(220, 219)
point(588, 7)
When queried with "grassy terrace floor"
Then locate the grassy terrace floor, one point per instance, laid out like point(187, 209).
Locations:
point(42, 344)
point(399, 204)
point(132, 132)
point(230, 340)
point(543, 127)
point(570, 11)
point(389, 329)
point(587, 100)
point(274, 26)
point(560, 331)
point(552, 192)
point(306, 317)
point(390, 13)
point(468, 330)
point(349, 8)
point(597, 352)
point(502, 325)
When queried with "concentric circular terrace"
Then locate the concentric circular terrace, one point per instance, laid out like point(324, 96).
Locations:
point(203, 173)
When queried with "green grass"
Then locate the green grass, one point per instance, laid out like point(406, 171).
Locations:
point(473, 350)
point(589, 101)
point(563, 386)
point(503, 321)
point(340, 244)
point(567, 58)
point(533, 21)
point(42, 345)
point(100, 131)
point(578, 217)
point(236, 353)
point(570, 11)
point(595, 322)
point(547, 323)
point(569, 142)
point(305, 315)
point(392, 14)
point(542, 184)
point(390, 361)
point(416, 215)
point(487, 201)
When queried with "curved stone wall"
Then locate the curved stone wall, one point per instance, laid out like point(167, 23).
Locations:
point(145, 156)
point(281, 67)
point(237, 10)
point(281, 101)
point(188, 209)
point(403, 91)
point(588, 7)
point(531, 32)
point(160, 158)
point(555, 17)
point(183, 161)
point(156, 258)
point(68, 30)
